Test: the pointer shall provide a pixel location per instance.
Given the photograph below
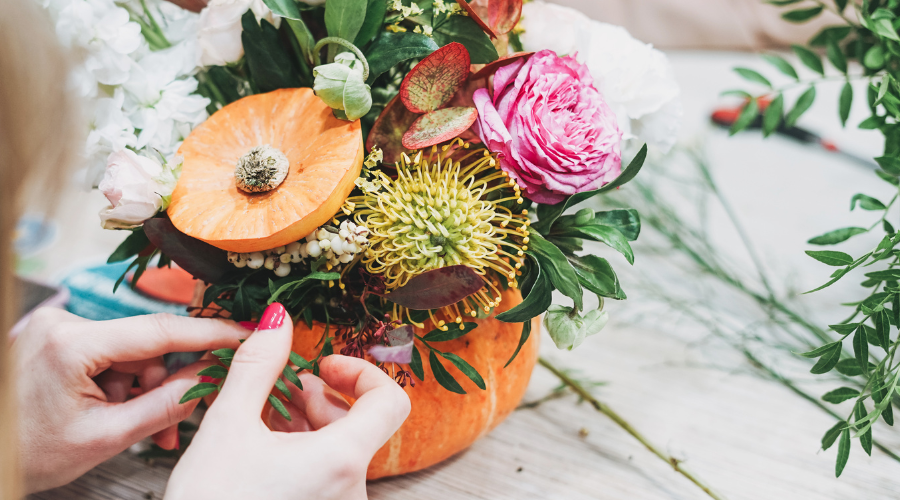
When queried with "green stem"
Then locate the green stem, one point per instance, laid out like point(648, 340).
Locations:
point(621, 422)
point(343, 43)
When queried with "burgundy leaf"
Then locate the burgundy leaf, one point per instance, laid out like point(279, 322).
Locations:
point(434, 81)
point(438, 288)
point(204, 261)
point(496, 17)
point(387, 132)
point(400, 335)
point(439, 126)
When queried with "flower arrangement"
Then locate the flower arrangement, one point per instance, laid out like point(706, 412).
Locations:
point(377, 166)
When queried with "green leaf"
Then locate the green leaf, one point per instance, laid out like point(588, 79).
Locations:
point(802, 105)
point(280, 385)
point(300, 361)
point(827, 361)
point(415, 365)
point(753, 76)
point(860, 348)
point(772, 116)
point(809, 58)
point(866, 439)
point(846, 101)
point(284, 8)
point(373, 22)
point(344, 18)
point(443, 376)
point(304, 38)
point(820, 351)
point(390, 49)
point(850, 367)
point(597, 275)
point(538, 298)
point(223, 353)
point(830, 257)
point(836, 236)
point(802, 15)
point(840, 395)
point(781, 3)
point(268, 60)
point(782, 65)
point(874, 58)
point(467, 369)
point(549, 213)
point(291, 376)
point(866, 202)
point(832, 434)
point(884, 28)
point(198, 391)
point(606, 235)
point(556, 266)
point(836, 56)
point(883, 328)
point(134, 244)
point(466, 31)
point(213, 371)
point(293, 285)
point(840, 5)
point(843, 452)
point(279, 406)
point(454, 331)
point(526, 332)
point(890, 164)
point(748, 114)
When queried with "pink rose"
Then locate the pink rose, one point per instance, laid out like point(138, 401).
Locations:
point(131, 185)
point(554, 132)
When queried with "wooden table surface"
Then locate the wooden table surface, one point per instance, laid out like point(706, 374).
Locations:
point(748, 437)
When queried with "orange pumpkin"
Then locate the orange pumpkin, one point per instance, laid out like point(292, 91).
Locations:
point(443, 423)
point(325, 157)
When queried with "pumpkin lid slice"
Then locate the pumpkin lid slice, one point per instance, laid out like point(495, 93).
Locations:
point(265, 171)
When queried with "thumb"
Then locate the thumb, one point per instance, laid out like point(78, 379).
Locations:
point(256, 365)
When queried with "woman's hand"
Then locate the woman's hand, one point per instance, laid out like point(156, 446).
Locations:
point(74, 377)
point(234, 454)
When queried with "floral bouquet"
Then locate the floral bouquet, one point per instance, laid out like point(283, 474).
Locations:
point(396, 173)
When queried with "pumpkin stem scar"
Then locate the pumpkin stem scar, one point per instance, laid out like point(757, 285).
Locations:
point(261, 169)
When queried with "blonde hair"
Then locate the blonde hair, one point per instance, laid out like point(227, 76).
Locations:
point(39, 135)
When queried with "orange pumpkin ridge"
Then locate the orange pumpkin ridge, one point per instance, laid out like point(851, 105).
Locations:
point(325, 156)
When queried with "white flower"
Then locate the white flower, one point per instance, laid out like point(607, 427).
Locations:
point(132, 186)
point(110, 130)
point(636, 80)
point(220, 29)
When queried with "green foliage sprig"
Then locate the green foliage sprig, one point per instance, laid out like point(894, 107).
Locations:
point(865, 348)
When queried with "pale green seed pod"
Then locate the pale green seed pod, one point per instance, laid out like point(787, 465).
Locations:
point(341, 86)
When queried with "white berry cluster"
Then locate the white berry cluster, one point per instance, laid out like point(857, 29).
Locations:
point(339, 246)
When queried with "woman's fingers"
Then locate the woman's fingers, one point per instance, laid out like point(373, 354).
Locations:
point(256, 365)
point(154, 410)
point(115, 385)
point(381, 405)
point(298, 422)
point(321, 404)
point(144, 337)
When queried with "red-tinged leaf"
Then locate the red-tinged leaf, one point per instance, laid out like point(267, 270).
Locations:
point(387, 132)
point(491, 67)
point(439, 126)
point(501, 15)
point(478, 11)
point(438, 288)
point(434, 81)
point(204, 261)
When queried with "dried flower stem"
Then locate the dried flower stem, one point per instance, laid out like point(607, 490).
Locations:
point(621, 422)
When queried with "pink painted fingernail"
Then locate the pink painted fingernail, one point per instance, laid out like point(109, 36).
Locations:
point(273, 317)
point(206, 379)
point(250, 325)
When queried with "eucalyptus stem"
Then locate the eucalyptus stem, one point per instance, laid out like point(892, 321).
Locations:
point(621, 422)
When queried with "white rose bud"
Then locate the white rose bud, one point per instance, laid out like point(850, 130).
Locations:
point(130, 186)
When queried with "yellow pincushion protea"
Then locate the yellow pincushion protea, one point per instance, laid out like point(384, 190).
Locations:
point(439, 212)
